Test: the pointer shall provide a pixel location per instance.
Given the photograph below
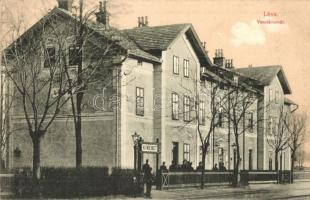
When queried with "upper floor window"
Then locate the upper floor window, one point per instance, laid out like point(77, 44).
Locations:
point(73, 55)
point(186, 108)
point(236, 80)
point(270, 94)
point(276, 96)
point(219, 119)
point(186, 152)
point(49, 57)
point(175, 106)
point(201, 113)
point(139, 101)
point(270, 126)
point(250, 122)
point(175, 64)
point(186, 67)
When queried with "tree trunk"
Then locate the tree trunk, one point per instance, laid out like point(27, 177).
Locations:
point(78, 141)
point(36, 159)
point(236, 167)
point(292, 166)
point(276, 164)
point(203, 168)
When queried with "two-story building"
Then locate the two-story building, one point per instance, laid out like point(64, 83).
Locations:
point(155, 96)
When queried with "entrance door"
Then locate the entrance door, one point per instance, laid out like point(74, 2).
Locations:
point(175, 152)
point(250, 159)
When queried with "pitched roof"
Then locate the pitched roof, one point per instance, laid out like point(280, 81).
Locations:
point(123, 40)
point(265, 74)
point(159, 38)
point(156, 37)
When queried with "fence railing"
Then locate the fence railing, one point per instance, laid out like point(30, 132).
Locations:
point(301, 175)
point(6, 184)
point(186, 179)
point(190, 179)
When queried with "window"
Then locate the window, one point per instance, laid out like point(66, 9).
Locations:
point(250, 159)
point(186, 108)
point(276, 96)
point(219, 120)
point(175, 64)
point(236, 80)
point(250, 122)
point(73, 55)
point(186, 152)
point(139, 62)
point(221, 85)
point(201, 113)
point(270, 125)
point(270, 94)
point(186, 68)
point(175, 106)
point(49, 57)
point(139, 101)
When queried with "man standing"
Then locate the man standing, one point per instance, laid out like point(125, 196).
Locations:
point(147, 177)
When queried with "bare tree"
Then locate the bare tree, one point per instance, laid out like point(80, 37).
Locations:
point(6, 101)
point(201, 108)
point(296, 126)
point(97, 61)
point(242, 97)
point(36, 74)
point(276, 134)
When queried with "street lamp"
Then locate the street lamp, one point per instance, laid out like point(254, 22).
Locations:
point(135, 139)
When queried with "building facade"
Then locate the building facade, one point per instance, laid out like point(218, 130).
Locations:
point(156, 96)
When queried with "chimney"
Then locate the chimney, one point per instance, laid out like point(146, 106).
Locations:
point(143, 21)
point(219, 58)
point(102, 16)
point(65, 4)
point(229, 64)
point(146, 23)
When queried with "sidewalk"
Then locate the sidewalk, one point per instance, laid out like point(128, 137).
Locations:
point(298, 190)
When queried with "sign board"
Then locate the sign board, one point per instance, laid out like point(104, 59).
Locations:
point(149, 147)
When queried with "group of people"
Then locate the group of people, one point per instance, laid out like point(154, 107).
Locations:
point(185, 167)
point(174, 167)
point(220, 168)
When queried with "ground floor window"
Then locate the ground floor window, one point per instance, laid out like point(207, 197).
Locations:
point(250, 159)
point(186, 152)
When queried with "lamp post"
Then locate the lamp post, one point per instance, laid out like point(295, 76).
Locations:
point(135, 139)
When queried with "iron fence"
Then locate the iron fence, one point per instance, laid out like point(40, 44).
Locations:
point(187, 179)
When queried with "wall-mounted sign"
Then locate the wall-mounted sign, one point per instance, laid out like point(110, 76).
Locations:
point(149, 147)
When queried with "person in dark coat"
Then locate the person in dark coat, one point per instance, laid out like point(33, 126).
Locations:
point(215, 168)
point(199, 167)
point(147, 171)
point(173, 166)
point(163, 168)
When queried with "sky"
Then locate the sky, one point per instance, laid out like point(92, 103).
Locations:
point(230, 25)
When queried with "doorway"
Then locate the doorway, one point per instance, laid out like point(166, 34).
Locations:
point(175, 152)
